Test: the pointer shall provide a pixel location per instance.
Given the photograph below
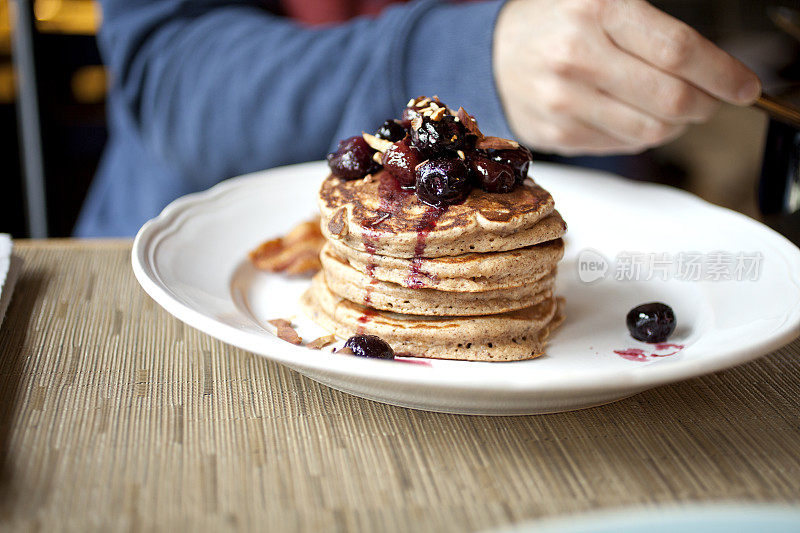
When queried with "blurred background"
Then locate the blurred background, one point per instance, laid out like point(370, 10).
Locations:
point(720, 161)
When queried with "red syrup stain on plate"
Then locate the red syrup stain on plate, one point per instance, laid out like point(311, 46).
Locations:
point(659, 350)
point(632, 354)
point(666, 349)
point(411, 361)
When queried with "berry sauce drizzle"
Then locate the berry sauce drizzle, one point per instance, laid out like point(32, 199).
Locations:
point(391, 199)
point(366, 316)
point(664, 349)
point(426, 224)
point(392, 195)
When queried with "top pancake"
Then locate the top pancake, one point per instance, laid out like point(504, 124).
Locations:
point(375, 215)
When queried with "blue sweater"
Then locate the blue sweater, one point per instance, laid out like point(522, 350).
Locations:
point(203, 90)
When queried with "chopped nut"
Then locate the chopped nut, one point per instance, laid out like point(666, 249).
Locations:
point(336, 225)
point(378, 158)
point(295, 254)
point(320, 343)
point(460, 154)
point(422, 102)
point(438, 114)
point(344, 351)
point(496, 143)
point(307, 263)
point(377, 220)
point(469, 122)
point(280, 322)
point(376, 143)
point(416, 122)
point(288, 334)
point(285, 331)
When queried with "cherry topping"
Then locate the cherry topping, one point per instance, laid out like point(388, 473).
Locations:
point(442, 181)
point(491, 175)
point(437, 136)
point(652, 322)
point(391, 130)
point(408, 115)
point(369, 346)
point(519, 159)
point(353, 159)
point(400, 160)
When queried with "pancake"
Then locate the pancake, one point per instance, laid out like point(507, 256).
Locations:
point(349, 283)
point(511, 336)
point(462, 273)
point(375, 215)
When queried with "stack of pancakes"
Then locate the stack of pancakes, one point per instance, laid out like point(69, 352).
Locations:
point(472, 281)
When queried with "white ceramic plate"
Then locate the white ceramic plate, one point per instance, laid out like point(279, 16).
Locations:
point(702, 518)
point(192, 259)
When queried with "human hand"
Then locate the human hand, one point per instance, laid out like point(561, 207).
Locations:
point(608, 76)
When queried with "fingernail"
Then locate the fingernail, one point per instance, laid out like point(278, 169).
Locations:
point(750, 91)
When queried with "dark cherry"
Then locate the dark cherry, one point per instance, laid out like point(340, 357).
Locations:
point(652, 322)
point(519, 159)
point(369, 346)
point(408, 115)
point(400, 160)
point(443, 181)
point(491, 175)
point(391, 130)
point(353, 159)
point(434, 137)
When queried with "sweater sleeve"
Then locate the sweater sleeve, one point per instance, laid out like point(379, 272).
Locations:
point(221, 88)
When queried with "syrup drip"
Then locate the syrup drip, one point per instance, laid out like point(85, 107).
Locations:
point(391, 195)
point(426, 224)
point(368, 313)
point(391, 200)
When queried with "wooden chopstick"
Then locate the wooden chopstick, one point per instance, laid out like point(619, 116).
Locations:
point(778, 110)
point(787, 19)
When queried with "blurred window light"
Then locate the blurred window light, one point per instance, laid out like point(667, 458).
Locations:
point(80, 17)
point(89, 84)
point(46, 9)
point(5, 28)
point(7, 86)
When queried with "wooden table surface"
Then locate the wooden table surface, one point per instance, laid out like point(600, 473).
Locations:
point(114, 415)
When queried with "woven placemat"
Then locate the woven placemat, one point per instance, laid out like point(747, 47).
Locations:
point(114, 415)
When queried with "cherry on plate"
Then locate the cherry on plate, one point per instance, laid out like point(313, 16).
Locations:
point(651, 322)
point(369, 346)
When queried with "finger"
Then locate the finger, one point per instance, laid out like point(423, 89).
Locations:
point(669, 44)
point(569, 136)
point(651, 90)
point(548, 121)
point(619, 120)
point(586, 140)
